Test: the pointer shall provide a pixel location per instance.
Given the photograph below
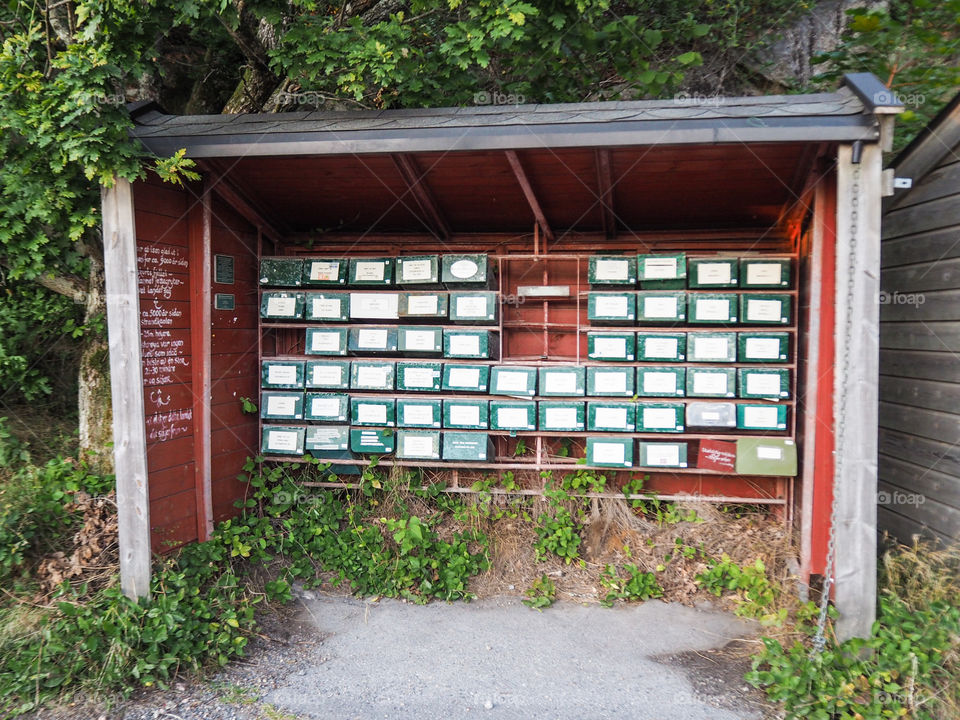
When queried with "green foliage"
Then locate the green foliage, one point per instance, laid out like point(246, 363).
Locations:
point(32, 514)
point(894, 673)
point(665, 513)
point(248, 406)
point(558, 534)
point(911, 45)
point(542, 593)
point(754, 590)
point(633, 584)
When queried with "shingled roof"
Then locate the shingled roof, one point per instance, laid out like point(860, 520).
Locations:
point(845, 115)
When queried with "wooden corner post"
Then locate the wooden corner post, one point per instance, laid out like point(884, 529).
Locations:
point(856, 380)
point(126, 385)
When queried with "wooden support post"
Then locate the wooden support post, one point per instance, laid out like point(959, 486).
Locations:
point(199, 222)
point(856, 386)
point(126, 385)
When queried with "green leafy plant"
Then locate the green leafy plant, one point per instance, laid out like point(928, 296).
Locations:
point(633, 584)
point(557, 534)
point(248, 406)
point(542, 593)
point(754, 591)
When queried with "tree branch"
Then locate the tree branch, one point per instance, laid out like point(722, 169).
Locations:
point(73, 288)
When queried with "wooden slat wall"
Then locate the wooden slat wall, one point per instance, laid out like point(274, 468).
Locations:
point(162, 251)
point(234, 371)
point(919, 470)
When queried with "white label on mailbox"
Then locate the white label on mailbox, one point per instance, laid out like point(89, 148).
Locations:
point(666, 348)
point(464, 377)
point(374, 339)
point(464, 269)
point(416, 270)
point(763, 310)
point(281, 405)
point(561, 418)
point(472, 307)
point(422, 304)
point(712, 309)
point(763, 348)
point(709, 383)
point(610, 381)
point(325, 307)
point(282, 440)
point(369, 270)
point(375, 413)
point(765, 384)
point(512, 418)
point(281, 306)
point(325, 270)
point(508, 381)
point(465, 414)
point(375, 306)
point(660, 382)
point(611, 306)
point(612, 270)
point(764, 274)
point(760, 417)
point(560, 382)
point(713, 274)
point(418, 415)
point(325, 341)
point(418, 446)
point(373, 376)
point(765, 452)
point(663, 455)
point(464, 345)
point(659, 268)
point(614, 347)
point(418, 377)
point(419, 340)
point(710, 348)
point(282, 374)
point(660, 307)
point(610, 417)
point(325, 438)
point(325, 407)
point(609, 452)
point(327, 375)
point(712, 415)
point(659, 418)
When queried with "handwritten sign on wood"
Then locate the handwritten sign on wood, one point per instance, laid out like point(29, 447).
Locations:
point(169, 425)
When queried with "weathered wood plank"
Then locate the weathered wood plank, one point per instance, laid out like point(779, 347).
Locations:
point(927, 394)
point(904, 528)
point(936, 486)
point(935, 275)
point(855, 388)
point(934, 336)
point(929, 246)
point(938, 456)
point(924, 365)
point(931, 215)
point(918, 421)
point(911, 307)
point(126, 385)
point(941, 182)
point(937, 516)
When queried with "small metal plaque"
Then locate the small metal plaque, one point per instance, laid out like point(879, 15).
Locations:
point(223, 272)
point(224, 301)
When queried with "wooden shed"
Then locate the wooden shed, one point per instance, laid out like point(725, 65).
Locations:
point(677, 291)
point(919, 492)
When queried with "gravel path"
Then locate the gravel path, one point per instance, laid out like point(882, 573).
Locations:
point(340, 657)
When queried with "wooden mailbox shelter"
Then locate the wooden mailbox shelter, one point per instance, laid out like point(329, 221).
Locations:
point(542, 194)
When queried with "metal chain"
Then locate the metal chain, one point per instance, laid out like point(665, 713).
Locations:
point(819, 639)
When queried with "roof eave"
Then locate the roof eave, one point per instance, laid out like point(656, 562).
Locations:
point(842, 128)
